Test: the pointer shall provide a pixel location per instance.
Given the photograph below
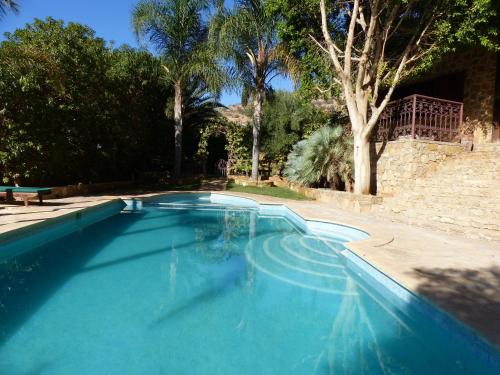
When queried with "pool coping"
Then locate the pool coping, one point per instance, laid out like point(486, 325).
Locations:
point(357, 248)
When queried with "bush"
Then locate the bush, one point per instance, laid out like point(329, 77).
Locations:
point(73, 109)
point(324, 159)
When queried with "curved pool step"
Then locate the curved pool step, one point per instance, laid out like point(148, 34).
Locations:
point(275, 258)
point(202, 206)
point(316, 253)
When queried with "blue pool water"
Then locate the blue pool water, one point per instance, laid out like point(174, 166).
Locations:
point(183, 288)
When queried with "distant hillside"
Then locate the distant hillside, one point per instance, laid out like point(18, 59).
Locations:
point(236, 113)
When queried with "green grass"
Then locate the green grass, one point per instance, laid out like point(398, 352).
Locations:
point(272, 191)
point(183, 187)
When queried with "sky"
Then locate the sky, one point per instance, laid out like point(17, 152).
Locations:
point(109, 18)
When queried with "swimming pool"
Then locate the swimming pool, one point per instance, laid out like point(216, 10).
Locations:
point(211, 284)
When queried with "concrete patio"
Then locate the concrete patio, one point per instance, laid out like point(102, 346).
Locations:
point(459, 274)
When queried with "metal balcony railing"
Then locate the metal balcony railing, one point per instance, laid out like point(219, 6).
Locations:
point(421, 117)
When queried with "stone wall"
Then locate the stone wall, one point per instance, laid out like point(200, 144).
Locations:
point(441, 186)
point(338, 199)
point(403, 161)
point(85, 189)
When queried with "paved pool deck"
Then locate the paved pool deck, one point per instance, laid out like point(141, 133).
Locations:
point(460, 275)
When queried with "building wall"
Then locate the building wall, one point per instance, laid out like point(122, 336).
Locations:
point(480, 69)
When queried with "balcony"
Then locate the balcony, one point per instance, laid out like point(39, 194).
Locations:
point(421, 117)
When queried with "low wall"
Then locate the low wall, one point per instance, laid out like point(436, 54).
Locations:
point(339, 199)
point(247, 181)
point(85, 189)
point(403, 161)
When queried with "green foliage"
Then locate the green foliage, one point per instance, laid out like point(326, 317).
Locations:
point(298, 20)
point(74, 110)
point(273, 191)
point(325, 158)
point(237, 138)
point(239, 36)
point(178, 29)
point(455, 25)
point(287, 119)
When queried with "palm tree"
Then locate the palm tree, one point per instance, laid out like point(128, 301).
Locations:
point(6, 5)
point(247, 37)
point(179, 29)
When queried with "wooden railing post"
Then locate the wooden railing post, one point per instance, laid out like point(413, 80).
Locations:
point(413, 116)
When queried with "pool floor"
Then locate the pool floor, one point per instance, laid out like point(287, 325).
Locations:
point(171, 290)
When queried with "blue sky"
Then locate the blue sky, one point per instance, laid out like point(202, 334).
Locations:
point(109, 18)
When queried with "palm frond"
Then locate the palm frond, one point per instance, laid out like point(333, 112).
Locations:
point(6, 5)
point(326, 156)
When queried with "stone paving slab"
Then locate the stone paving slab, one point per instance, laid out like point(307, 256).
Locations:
point(460, 275)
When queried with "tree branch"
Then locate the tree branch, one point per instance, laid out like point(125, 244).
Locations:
point(329, 42)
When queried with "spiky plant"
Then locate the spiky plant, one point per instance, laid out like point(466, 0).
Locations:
point(326, 156)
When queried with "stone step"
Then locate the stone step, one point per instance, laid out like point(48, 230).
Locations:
point(469, 231)
point(473, 207)
point(467, 183)
point(454, 194)
point(487, 147)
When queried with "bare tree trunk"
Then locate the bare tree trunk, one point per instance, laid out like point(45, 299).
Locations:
point(257, 121)
point(178, 128)
point(362, 166)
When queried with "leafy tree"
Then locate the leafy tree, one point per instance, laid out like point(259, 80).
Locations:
point(372, 45)
point(74, 110)
point(298, 20)
point(236, 135)
point(178, 29)
point(138, 93)
point(287, 119)
point(323, 158)
point(247, 37)
point(6, 5)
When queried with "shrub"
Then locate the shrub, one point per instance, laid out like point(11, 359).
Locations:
point(323, 159)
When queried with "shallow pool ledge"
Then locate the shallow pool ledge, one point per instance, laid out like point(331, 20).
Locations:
point(35, 234)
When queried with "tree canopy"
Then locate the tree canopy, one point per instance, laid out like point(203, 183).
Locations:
point(371, 45)
point(75, 110)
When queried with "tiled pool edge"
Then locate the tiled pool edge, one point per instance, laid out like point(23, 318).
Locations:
point(402, 297)
point(36, 234)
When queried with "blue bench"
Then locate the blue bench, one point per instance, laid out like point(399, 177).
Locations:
point(10, 192)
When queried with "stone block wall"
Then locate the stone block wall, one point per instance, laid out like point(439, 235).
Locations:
point(85, 189)
point(338, 199)
point(403, 162)
point(441, 186)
